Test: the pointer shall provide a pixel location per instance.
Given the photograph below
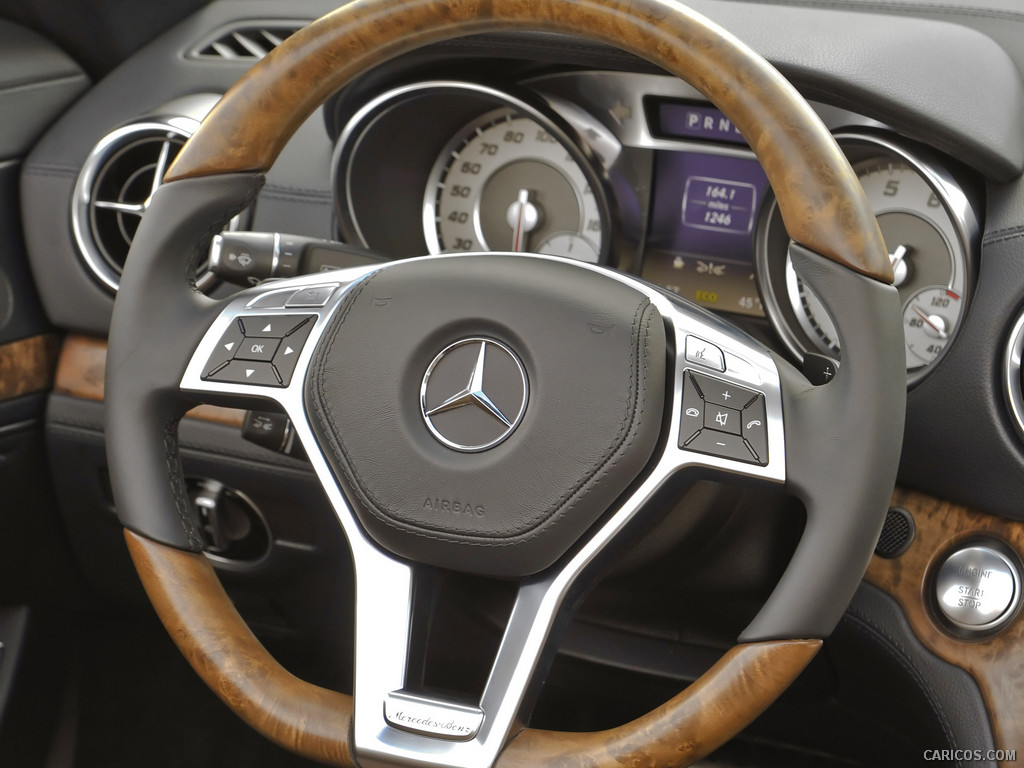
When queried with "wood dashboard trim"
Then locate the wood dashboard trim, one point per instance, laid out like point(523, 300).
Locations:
point(81, 371)
point(996, 663)
point(27, 365)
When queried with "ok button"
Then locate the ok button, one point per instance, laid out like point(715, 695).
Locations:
point(257, 349)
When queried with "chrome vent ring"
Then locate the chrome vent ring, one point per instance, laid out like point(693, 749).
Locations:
point(114, 190)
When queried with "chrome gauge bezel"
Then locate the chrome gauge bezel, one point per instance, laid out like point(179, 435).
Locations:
point(1012, 374)
point(602, 121)
point(488, 100)
point(450, 155)
point(794, 326)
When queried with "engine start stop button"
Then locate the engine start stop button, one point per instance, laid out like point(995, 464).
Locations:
point(977, 588)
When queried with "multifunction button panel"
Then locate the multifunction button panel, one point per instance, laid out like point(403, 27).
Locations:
point(720, 418)
point(729, 404)
point(262, 349)
point(259, 349)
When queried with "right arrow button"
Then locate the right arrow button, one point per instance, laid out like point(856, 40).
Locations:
point(288, 352)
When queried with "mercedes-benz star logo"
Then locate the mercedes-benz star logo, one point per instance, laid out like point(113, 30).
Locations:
point(474, 394)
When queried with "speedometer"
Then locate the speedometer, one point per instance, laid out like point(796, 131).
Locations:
point(507, 183)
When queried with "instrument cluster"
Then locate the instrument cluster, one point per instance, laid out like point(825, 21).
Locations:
point(639, 173)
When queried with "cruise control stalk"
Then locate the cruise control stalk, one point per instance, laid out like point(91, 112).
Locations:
point(273, 431)
point(247, 258)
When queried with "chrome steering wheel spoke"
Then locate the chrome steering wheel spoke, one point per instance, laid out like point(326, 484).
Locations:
point(723, 415)
point(727, 413)
point(600, 440)
point(260, 344)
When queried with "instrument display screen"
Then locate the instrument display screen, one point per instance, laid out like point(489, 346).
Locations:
point(703, 228)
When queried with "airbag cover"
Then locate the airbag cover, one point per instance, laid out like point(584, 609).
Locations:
point(593, 352)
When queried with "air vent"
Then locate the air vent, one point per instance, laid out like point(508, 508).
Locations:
point(114, 190)
point(245, 41)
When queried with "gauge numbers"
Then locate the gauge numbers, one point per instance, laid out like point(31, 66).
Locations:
point(928, 255)
point(507, 184)
point(929, 318)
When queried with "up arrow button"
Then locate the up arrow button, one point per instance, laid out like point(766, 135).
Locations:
point(272, 326)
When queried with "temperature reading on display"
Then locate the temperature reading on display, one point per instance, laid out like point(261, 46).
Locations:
point(750, 303)
point(719, 205)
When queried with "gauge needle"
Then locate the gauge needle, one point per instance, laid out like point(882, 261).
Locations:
point(927, 318)
point(899, 269)
point(523, 217)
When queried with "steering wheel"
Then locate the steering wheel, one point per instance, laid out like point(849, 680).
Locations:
point(504, 415)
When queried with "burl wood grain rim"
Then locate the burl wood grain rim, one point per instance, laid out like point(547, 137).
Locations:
point(823, 208)
point(819, 196)
point(190, 601)
point(737, 689)
point(316, 723)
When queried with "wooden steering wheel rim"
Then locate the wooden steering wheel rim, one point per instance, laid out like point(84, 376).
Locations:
point(823, 208)
point(820, 199)
point(317, 723)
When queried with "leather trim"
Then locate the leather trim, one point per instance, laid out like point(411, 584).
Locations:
point(363, 401)
point(159, 319)
point(951, 694)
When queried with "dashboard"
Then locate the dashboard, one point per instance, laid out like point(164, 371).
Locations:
point(636, 172)
point(536, 143)
point(632, 171)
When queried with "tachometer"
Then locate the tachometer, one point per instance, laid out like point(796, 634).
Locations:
point(507, 183)
point(928, 229)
